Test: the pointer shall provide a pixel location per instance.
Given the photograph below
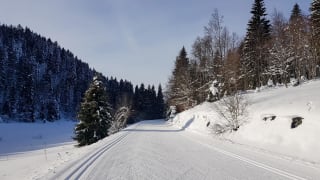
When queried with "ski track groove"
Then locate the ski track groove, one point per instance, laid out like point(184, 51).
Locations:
point(88, 162)
point(81, 170)
point(252, 162)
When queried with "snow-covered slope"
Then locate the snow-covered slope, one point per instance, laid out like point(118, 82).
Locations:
point(275, 136)
point(31, 149)
point(21, 137)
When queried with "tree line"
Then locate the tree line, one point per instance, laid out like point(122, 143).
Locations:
point(39, 80)
point(275, 51)
point(98, 118)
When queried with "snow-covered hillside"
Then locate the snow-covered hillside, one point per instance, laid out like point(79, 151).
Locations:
point(276, 136)
point(44, 150)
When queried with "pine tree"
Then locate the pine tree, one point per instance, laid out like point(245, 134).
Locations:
point(295, 13)
point(94, 115)
point(179, 86)
point(254, 57)
point(159, 105)
point(26, 87)
point(315, 27)
point(2, 71)
point(150, 102)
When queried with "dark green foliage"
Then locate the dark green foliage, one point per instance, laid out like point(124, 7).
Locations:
point(159, 104)
point(147, 104)
point(38, 78)
point(26, 91)
point(179, 90)
point(295, 13)
point(53, 111)
point(94, 115)
point(255, 54)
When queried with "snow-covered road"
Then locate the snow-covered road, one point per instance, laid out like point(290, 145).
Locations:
point(157, 150)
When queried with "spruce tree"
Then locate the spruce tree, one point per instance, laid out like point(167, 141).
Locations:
point(94, 115)
point(179, 86)
point(254, 57)
point(26, 87)
point(159, 105)
point(295, 13)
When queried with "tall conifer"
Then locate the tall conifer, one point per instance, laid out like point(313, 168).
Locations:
point(94, 115)
point(254, 57)
point(179, 89)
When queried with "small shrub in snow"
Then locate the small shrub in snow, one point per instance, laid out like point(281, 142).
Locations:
point(219, 129)
point(232, 109)
point(119, 120)
point(296, 121)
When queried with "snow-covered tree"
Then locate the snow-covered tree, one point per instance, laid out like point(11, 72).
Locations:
point(209, 58)
point(255, 53)
point(315, 28)
point(179, 90)
point(280, 53)
point(95, 114)
point(299, 44)
point(201, 67)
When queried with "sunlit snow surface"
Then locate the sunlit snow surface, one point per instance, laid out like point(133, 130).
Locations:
point(277, 135)
point(182, 149)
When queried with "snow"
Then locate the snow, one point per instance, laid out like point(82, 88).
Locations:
point(157, 150)
point(185, 148)
point(274, 136)
point(213, 89)
point(34, 148)
point(270, 83)
point(152, 150)
point(21, 137)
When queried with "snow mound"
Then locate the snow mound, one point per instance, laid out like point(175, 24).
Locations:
point(273, 135)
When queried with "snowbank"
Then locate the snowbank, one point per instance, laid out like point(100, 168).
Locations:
point(276, 136)
point(29, 150)
point(21, 137)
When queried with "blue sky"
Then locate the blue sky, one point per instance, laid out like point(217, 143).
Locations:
point(136, 40)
